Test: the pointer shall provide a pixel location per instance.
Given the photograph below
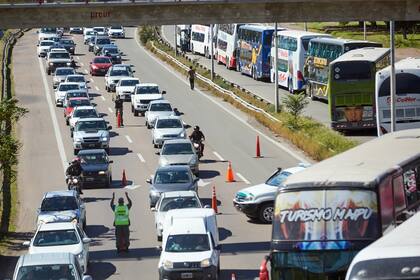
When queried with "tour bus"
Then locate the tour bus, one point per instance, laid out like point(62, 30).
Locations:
point(325, 214)
point(227, 37)
point(351, 88)
point(183, 33)
point(408, 96)
point(321, 52)
point(394, 256)
point(254, 44)
point(201, 41)
point(292, 46)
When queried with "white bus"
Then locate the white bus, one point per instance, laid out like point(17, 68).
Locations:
point(200, 40)
point(183, 33)
point(394, 256)
point(291, 55)
point(407, 100)
point(227, 44)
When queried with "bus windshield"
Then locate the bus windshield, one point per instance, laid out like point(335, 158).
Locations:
point(352, 70)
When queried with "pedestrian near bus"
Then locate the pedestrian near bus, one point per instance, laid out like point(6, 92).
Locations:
point(191, 76)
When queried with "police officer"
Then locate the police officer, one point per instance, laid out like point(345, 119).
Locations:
point(122, 222)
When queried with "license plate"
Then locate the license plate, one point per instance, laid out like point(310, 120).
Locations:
point(90, 179)
point(91, 145)
point(186, 275)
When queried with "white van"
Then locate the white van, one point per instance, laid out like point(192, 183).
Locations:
point(190, 247)
point(394, 256)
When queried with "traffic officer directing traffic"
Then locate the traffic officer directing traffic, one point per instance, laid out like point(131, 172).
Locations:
point(122, 222)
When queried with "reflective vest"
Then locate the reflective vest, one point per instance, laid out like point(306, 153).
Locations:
point(121, 215)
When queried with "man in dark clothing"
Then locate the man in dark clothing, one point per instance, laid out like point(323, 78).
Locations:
point(191, 75)
point(119, 108)
point(74, 169)
point(121, 221)
point(197, 136)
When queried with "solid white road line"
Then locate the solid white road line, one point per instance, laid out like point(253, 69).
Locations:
point(57, 132)
point(182, 79)
point(132, 187)
point(96, 87)
point(86, 71)
point(110, 110)
point(78, 58)
point(201, 183)
point(103, 98)
point(243, 179)
point(128, 139)
point(218, 156)
point(141, 158)
point(81, 64)
point(92, 80)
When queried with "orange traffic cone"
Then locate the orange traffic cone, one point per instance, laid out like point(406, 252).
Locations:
point(214, 200)
point(124, 179)
point(229, 176)
point(118, 119)
point(258, 150)
point(233, 276)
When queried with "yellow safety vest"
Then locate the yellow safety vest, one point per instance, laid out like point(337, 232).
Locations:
point(121, 215)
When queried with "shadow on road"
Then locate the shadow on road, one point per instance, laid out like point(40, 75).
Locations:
point(96, 230)
point(235, 248)
point(243, 274)
point(95, 199)
point(208, 174)
point(119, 151)
point(207, 201)
point(224, 233)
point(207, 161)
point(7, 266)
point(101, 270)
point(134, 253)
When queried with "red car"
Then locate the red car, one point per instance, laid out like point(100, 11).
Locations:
point(100, 65)
point(73, 103)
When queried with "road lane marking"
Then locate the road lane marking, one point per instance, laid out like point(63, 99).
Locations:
point(218, 156)
point(92, 80)
point(141, 158)
point(243, 178)
point(86, 71)
point(128, 139)
point(132, 187)
point(81, 64)
point(56, 127)
point(201, 183)
point(103, 98)
point(210, 98)
point(78, 58)
point(96, 87)
point(110, 110)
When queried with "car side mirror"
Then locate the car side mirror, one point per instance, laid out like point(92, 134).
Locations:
point(153, 209)
point(279, 169)
point(109, 127)
point(134, 71)
point(86, 240)
point(111, 161)
point(149, 181)
point(163, 92)
point(159, 248)
point(218, 247)
point(87, 82)
point(87, 277)
point(157, 153)
point(207, 206)
point(26, 243)
point(38, 210)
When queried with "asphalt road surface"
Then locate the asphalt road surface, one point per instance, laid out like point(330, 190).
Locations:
point(230, 136)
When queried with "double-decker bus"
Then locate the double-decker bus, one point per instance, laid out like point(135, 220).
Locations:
point(292, 47)
point(254, 46)
point(200, 41)
point(351, 88)
point(321, 52)
point(226, 47)
point(325, 214)
point(407, 96)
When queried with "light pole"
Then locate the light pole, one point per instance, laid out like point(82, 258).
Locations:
point(276, 71)
point(364, 30)
point(212, 51)
point(176, 48)
point(392, 76)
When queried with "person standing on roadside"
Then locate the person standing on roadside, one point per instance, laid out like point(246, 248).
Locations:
point(119, 108)
point(191, 76)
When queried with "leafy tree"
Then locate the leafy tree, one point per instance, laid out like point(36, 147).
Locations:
point(295, 104)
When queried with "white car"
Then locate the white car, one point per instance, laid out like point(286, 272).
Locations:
point(114, 75)
point(47, 33)
point(143, 95)
point(116, 32)
point(60, 92)
point(125, 87)
point(61, 74)
point(44, 46)
point(157, 108)
point(173, 200)
point(76, 30)
point(82, 112)
point(257, 202)
point(87, 34)
point(167, 128)
point(100, 31)
point(78, 78)
point(61, 238)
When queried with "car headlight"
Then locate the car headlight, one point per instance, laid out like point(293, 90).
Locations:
point(249, 197)
point(104, 139)
point(78, 139)
point(51, 64)
point(168, 264)
point(80, 256)
point(154, 193)
point(94, 66)
point(68, 63)
point(193, 161)
point(205, 263)
point(182, 134)
point(102, 172)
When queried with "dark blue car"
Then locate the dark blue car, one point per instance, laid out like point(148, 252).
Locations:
point(96, 168)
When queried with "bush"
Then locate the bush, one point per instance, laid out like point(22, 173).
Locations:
point(295, 104)
point(147, 33)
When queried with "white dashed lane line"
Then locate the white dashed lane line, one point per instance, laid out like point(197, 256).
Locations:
point(141, 158)
point(92, 80)
point(78, 58)
point(128, 139)
point(86, 71)
point(103, 98)
point(218, 156)
point(81, 64)
point(110, 110)
point(243, 178)
point(96, 88)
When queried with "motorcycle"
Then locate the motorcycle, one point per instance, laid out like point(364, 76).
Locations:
point(199, 148)
point(74, 183)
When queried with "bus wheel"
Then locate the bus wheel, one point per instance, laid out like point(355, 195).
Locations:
point(266, 213)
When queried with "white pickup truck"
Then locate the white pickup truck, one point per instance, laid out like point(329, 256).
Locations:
point(143, 94)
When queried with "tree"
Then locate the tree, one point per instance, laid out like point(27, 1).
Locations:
point(295, 104)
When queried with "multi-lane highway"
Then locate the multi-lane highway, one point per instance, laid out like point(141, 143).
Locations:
point(230, 136)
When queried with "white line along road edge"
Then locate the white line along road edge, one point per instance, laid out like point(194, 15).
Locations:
point(141, 158)
point(243, 179)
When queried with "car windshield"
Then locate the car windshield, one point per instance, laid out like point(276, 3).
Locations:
point(91, 125)
point(172, 177)
point(60, 55)
point(179, 203)
point(147, 90)
point(67, 87)
point(103, 41)
point(116, 27)
point(177, 149)
point(47, 272)
point(101, 60)
point(47, 43)
point(90, 32)
point(110, 50)
point(67, 42)
point(56, 238)
point(59, 203)
point(78, 102)
point(85, 113)
point(99, 29)
point(119, 72)
point(129, 83)
point(73, 94)
point(49, 30)
point(185, 243)
point(76, 79)
point(161, 107)
point(64, 72)
point(169, 123)
point(278, 178)
point(97, 158)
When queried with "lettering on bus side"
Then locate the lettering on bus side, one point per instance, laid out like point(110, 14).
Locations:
point(407, 99)
point(326, 214)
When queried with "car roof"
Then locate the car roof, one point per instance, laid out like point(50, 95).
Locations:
point(110, 46)
point(168, 118)
point(85, 107)
point(177, 141)
point(129, 78)
point(91, 119)
point(50, 41)
point(188, 225)
point(75, 75)
point(91, 151)
point(160, 101)
point(100, 56)
point(60, 193)
point(78, 98)
point(69, 83)
point(179, 194)
point(46, 259)
point(56, 226)
point(147, 85)
point(64, 68)
point(77, 90)
point(173, 167)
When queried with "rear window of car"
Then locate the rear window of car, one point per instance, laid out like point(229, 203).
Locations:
point(101, 60)
point(67, 87)
point(56, 238)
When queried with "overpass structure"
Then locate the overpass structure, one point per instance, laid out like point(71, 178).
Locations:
point(211, 11)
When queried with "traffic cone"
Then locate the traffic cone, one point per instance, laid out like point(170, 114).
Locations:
point(118, 119)
point(233, 276)
point(214, 200)
point(258, 150)
point(124, 179)
point(229, 176)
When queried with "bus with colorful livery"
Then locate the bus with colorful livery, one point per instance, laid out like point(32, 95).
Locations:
point(292, 47)
point(321, 52)
point(226, 47)
point(254, 46)
point(351, 88)
point(325, 214)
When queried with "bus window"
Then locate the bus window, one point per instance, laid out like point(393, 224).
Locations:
point(412, 193)
point(399, 195)
point(387, 203)
point(352, 70)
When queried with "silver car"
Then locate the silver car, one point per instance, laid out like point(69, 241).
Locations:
point(78, 78)
point(61, 74)
point(157, 108)
point(167, 128)
point(179, 152)
point(91, 133)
